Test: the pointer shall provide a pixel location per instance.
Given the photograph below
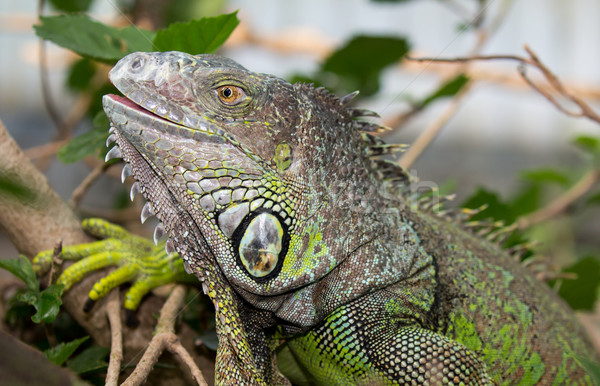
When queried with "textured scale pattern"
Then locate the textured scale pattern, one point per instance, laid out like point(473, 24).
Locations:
point(276, 198)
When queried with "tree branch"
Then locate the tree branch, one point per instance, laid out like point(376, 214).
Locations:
point(166, 339)
point(533, 60)
point(113, 313)
point(563, 202)
point(431, 132)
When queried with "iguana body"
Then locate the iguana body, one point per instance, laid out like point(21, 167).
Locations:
point(274, 196)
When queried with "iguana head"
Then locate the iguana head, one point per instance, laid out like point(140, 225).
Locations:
point(268, 181)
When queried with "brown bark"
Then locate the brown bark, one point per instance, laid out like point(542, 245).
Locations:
point(43, 221)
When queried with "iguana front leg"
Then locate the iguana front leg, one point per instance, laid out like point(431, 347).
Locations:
point(149, 266)
point(363, 343)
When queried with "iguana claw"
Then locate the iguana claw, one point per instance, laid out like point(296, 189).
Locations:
point(138, 260)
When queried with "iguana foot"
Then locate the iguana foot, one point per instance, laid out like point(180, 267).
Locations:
point(138, 260)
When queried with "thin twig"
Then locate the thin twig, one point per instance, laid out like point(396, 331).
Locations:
point(433, 130)
point(113, 313)
point(48, 101)
point(45, 150)
point(430, 133)
point(82, 189)
point(144, 367)
point(187, 360)
point(467, 59)
point(56, 263)
point(170, 310)
point(563, 202)
point(553, 81)
point(165, 338)
point(502, 77)
point(586, 111)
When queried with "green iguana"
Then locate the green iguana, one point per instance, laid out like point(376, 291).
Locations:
point(277, 199)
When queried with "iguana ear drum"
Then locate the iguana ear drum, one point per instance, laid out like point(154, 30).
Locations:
point(261, 243)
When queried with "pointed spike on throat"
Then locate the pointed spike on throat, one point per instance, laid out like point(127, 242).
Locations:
point(159, 233)
point(113, 153)
point(126, 172)
point(135, 189)
point(147, 212)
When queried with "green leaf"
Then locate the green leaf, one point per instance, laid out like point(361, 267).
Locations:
point(362, 59)
point(526, 201)
point(581, 293)
point(86, 144)
point(137, 39)
point(59, 354)
point(47, 302)
point(545, 175)
point(21, 268)
point(594, 199)
point(71, 5)
point(186, 10)
point(588, 144)
point(201, 36)
point(81, 74)
point(448, 89)
point(496, 209)
point(92, 39)
point(91, 359)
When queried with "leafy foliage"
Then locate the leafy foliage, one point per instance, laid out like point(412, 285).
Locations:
point(545, 176)
point(359, 63)
point(92, 39)
point(61, 352)
point(88, 143)
point(197, 36)
point(80, 74)
point(593, 369)
point(448, 89)
point(582, 293)
point(92, 359)
point(71, 5)
point(589, 144)
point(23, 270)
point(47, 302)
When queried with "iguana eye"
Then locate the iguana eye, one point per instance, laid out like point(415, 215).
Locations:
point(231, 95)
point(261, 245)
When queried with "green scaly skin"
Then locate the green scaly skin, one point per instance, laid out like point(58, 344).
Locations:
point(275, 197)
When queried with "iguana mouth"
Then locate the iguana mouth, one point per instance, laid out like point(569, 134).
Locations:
point(123, 100)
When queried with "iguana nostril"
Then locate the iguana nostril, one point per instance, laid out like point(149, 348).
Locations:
point(137, 63)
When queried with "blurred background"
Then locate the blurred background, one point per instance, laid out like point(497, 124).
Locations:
point(501, 127)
